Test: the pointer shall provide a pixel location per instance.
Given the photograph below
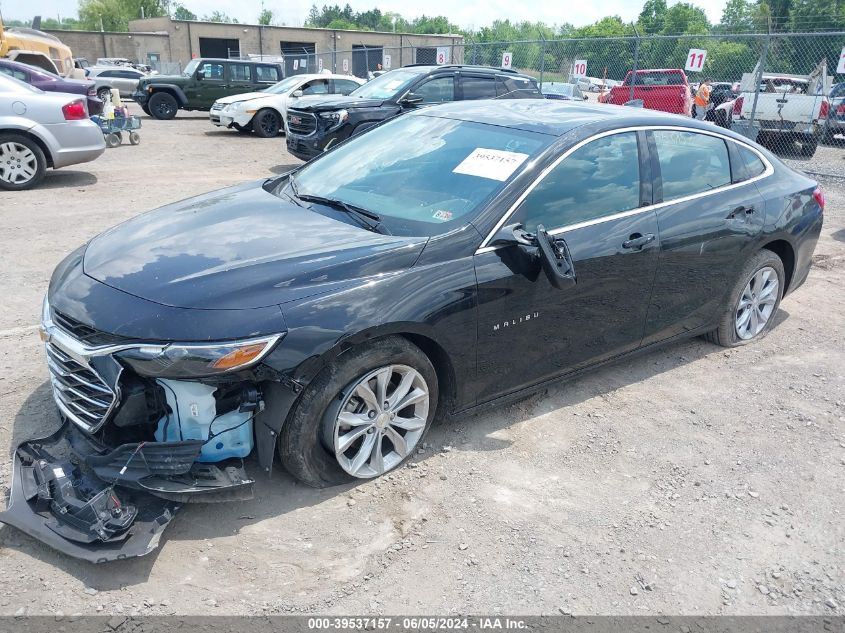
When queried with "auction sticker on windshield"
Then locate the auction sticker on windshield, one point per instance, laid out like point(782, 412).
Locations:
point(490, 163)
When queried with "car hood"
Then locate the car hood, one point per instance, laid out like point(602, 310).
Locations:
point(246, 96)
point(163, 79)
point(240, 247)
point(321, 103)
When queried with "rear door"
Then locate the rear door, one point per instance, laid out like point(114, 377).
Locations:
point(709, 217)
point(241, 79)
point(477, 86)
point(529, 330)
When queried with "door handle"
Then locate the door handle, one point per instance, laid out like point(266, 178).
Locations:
point(638, 240)
point(741, 211)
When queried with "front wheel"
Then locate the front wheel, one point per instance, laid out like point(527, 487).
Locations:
point(752, 303)
point(267, 123)
point(163, 106)
point(363, 416)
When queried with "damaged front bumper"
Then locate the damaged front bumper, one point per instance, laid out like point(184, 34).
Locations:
point(101, 504)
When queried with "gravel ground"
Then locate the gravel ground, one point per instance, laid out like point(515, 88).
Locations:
point(691, 480)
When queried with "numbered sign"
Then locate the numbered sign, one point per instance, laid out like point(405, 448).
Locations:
point(296, 64)
point(507, 59)
point(387, 62)
point(695, 60)
point(579, 68)
point(320, 64)
point(442, 55)
point(841, 67)
point(345, 65)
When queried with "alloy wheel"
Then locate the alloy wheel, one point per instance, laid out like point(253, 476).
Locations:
point(18, 163)
point(381, 418)
point(269, 124)
point(757, 303)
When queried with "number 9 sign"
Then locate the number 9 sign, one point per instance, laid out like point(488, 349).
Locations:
point(507, 58)
point(695, 60)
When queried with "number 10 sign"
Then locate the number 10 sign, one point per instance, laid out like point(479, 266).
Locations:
point(695, 60)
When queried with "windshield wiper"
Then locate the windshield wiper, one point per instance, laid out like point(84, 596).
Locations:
point(363, 216)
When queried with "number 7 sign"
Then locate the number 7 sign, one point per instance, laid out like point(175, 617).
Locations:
point(695, 60)
point(841, 67)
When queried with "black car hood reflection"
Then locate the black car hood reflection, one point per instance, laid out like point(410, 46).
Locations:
point(322, 103)
point(237, 248)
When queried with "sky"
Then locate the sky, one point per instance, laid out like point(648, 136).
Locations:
point(465, 13)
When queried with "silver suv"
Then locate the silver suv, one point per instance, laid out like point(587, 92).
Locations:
point(123, 78)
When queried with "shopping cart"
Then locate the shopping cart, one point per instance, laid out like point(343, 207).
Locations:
point(113, 129)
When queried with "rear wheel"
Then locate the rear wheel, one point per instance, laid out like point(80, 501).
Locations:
point(752, 303)
point(112, 140)
point(163, 106)
point(267, 123)
point(22, 163)
point(104, 94)
point(363, 416)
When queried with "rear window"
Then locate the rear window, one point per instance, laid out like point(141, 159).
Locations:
point(691, 163)
point(655, 79)
point(479, 87)
point(267, 73)
point(753, 165)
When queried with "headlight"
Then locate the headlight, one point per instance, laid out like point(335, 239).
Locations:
point(195, 360)
point(335, 118)
point(46, 320)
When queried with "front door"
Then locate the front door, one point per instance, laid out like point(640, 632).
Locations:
point(209, 85)
point(528, 330)
point(707, 226)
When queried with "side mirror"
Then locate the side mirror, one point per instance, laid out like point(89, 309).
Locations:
point(554, 255)
point(556, 259)
point(411, 99)
point(296, 93)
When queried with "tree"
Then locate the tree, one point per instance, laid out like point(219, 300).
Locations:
point(266, 17)
point(652, 17)
point(685, 19)
point(219, 16)
point(114, 15)
point(180, 12)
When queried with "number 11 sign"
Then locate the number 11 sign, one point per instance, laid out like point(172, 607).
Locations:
point(695, 60)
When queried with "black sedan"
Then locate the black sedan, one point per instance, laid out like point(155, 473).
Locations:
point(445, 261)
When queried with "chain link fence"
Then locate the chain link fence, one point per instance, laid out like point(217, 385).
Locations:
point(778, 89)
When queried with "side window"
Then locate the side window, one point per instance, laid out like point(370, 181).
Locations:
point(240, 72)
point(316, 87)
point(599, 179)
point(212, 71)
point(14, 72)
point(267, 74)
point(753, 165)
point(344, 86)
point(437, 90)
point(108, 73)
point(479, 87)
point(691, 163)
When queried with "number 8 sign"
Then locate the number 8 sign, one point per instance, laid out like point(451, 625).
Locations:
point(695, 60)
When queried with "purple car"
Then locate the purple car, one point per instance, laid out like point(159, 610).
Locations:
point(49, 82)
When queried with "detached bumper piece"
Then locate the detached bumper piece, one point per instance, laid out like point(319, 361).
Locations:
point(100, 504)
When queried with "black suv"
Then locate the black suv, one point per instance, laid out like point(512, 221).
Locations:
point(317, 123)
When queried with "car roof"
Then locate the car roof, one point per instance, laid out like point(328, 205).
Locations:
point(556, 118)
point(493, 70)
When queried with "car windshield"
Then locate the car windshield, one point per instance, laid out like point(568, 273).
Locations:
point(10, 84)
point(558, 89)
point(386, 86)
point(284, 86)
point(191, 67)
point(436, 179)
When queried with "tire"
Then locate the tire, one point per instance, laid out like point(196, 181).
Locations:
point(808, 149)
point(22, 162)
point(134, 138)
point(112, 140)
point(163, 106)
point(267, 123)
point(103, 94)
point(306, 443)
point(727, 334)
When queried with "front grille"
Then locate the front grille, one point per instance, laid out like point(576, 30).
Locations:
point(85, 333)
point(302, 123)
point(79, 392)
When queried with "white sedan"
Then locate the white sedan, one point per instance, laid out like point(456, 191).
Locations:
point(264, 112)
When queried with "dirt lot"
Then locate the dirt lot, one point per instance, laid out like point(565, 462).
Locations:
point(692, 480)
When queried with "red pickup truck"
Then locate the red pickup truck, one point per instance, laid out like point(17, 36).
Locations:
point(666, 90)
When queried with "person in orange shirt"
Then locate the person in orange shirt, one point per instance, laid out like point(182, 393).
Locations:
point(702, 99)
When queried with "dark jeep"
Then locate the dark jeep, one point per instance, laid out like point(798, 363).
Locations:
point(203, 82)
